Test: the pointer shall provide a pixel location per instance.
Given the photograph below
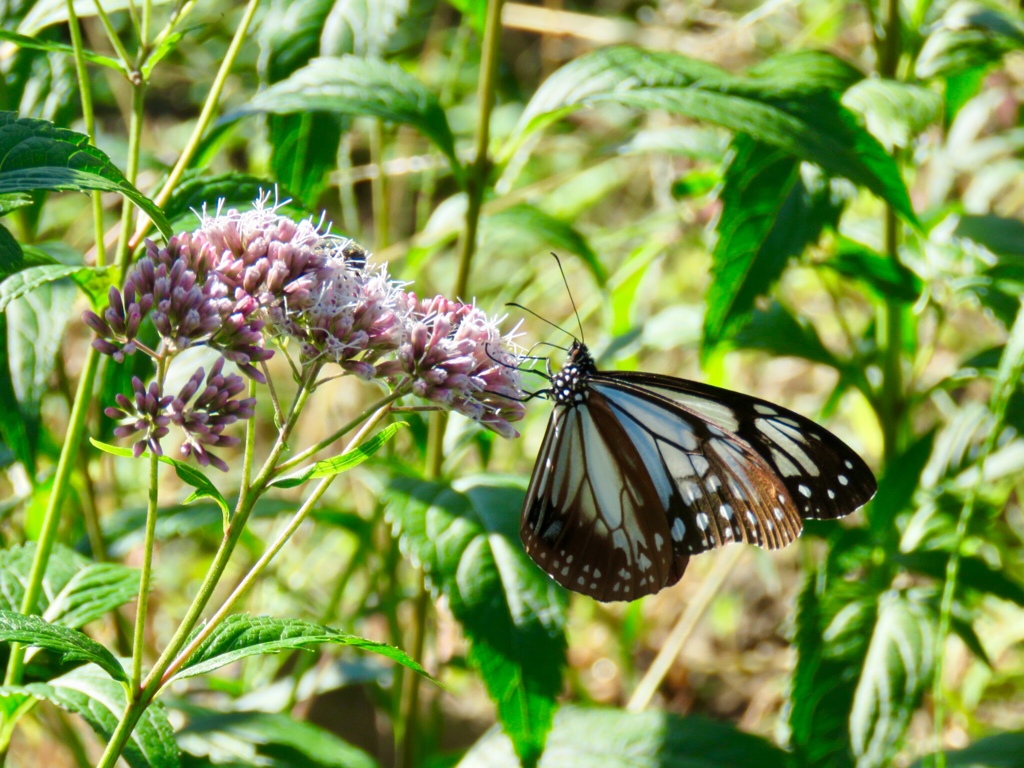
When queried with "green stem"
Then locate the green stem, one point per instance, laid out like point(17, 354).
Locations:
point(54, 505)
point(476, 184)
point(233, 532)
point(204, 120)
point(476, 179)
point(131, 172)
point(139, 645)
point(379, 187)
point(261, 564)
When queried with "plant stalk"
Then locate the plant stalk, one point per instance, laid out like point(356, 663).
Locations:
point(139, 645)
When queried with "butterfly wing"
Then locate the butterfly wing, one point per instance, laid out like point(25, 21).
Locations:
point(714, 489)
point(822, 476)
point(593, 518)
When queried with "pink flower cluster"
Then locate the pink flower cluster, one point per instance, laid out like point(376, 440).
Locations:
point(244, 277)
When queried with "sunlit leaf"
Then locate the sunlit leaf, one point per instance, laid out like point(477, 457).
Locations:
point(38, 155)
point(613, 738)
point(894, 112)
point(240, 636)
point(276, 739)
point(343, 463)
point(68, 644)
point(969, 35)
point(466, 539)
point(349, 85)
point(101, 702)
point(791, 102)
point(770, 213)
point(896, 670)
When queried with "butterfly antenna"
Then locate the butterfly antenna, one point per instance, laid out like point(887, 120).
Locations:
point(572, 301)
point(542, 319)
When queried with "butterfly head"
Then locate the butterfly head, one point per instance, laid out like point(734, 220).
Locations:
point(569, 385)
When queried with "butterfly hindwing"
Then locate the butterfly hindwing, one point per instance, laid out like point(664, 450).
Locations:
point(593, 519)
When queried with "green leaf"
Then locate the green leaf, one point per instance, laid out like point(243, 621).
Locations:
point(240, 636)
point(897, 486)
point(18, 435)
point(62, 569)
point(31, 278)
point(975, 574)
point(12, 258)
point(34, 154)
point(14, 201)
point(68, 644)
point(895, 112)
point(613, 738)
point(969, 35)
point(305, 150)
point(376, 28)
point(888, 279)
point(278, 739)
point(100, 701)
point(769, 214)
point(895, 672)
point(39, 44)
point(779, 333)
point(1000, 235)
point(205, 489)
point(466, 538)
point(46, 13)
point(349, 85)
point(35, 332)
point(91, 593)
point(343, 463)
point(227, 190)
point(791, 102)
point(554, 233)
point(1000, 751)
point(833, 624)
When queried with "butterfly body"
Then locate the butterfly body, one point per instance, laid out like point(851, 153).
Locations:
point(638, 472)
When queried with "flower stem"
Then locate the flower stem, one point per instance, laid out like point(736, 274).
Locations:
point(146, 575)
point(233, 532)
point(269, 554)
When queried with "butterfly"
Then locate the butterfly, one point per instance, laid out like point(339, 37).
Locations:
point(638, 472)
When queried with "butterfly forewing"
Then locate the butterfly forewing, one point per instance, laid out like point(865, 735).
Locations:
point(824, 477)
point(638, 471)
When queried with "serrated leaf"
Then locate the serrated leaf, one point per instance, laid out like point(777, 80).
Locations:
point(205, 489)
point(1000, 751)
point(68, 644)
point(16, 563)
point(895, 672)
point(894, 112)
point(349, 85)
point(31, 278)
point(343, 463)
point(831, 631)
point(377, 28)
point(554, 233)
point(770, 213)
point(265, 738)
point(38, 155)
point(466, 538)
point(46, 13)
point(791, 102)
point(889, 279)
point(100, 701)
point(613, 738)
point(241, 636)
point(91, 593)
point(779, 333)
point(969, 35)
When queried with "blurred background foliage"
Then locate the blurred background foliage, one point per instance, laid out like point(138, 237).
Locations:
point(817, 201)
